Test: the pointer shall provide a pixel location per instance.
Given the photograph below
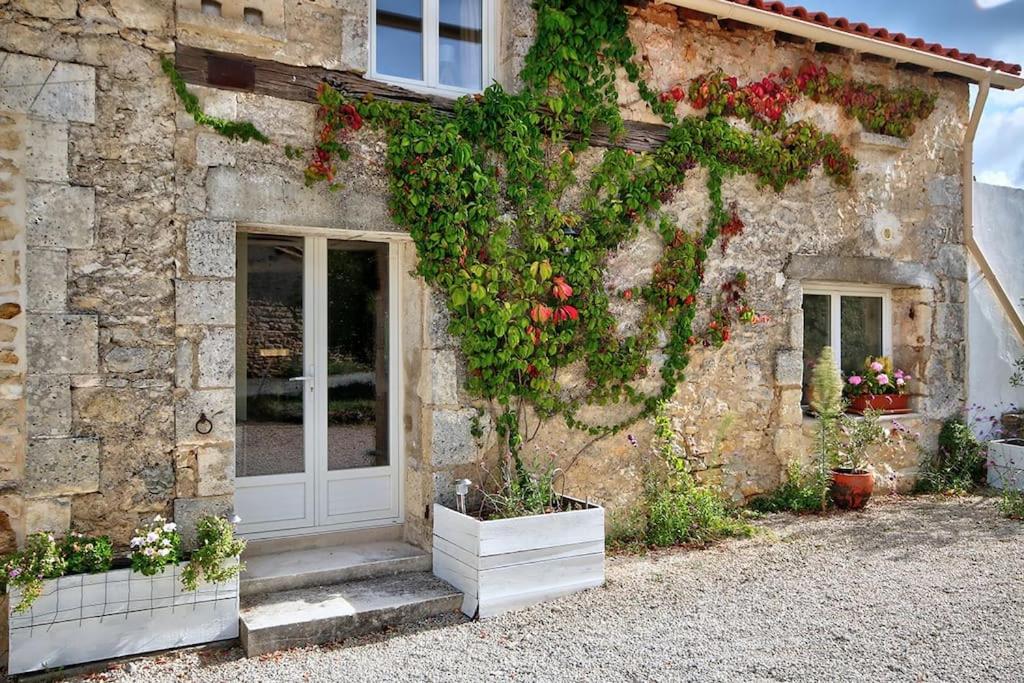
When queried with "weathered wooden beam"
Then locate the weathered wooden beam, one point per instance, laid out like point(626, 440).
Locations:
point(299, 83)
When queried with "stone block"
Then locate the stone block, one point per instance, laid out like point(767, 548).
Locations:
point(219, 407)
point(216, 360)
point(214, 150)
point(128, 360)
point(215, 466)
point(945, 190)
point(204, 302)
point(62, 344)
point(144, 15)
point(10, 269)
point(60, 216)
point(188, 512)
point(950, 322)
point(790, 412)
point(46, 151)
point(210, 247)
point(48, 405)
point(260, 193)
point(48, 9)
point(444, 377)
point(56, 91)
point(47, 281)
point(58, 467)
point(49, 514)
point(451, 441)
point(789, 367)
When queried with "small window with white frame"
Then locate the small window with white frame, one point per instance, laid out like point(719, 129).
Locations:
point(855, 320)
point(441, 46)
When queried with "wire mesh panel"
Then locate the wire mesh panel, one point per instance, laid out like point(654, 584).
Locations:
point(89, 617)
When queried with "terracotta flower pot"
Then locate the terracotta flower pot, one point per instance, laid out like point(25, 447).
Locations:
point(851, 489)
point(885, 403)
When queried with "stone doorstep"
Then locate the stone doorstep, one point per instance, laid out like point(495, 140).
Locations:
point(310, 567)
point(310, 616)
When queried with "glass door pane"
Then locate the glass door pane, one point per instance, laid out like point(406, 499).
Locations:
point(270, 392)
point(357, 355)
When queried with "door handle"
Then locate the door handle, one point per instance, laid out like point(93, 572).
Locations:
point(303, 378)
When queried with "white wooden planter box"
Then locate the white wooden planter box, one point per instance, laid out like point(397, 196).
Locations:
point(1006, 464)
point(89, 617)
point(505, 564)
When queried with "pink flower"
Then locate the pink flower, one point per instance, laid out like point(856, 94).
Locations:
point(899, 374)
point(882, 378)
point(900, 381)
point(855, 380)
point(876, 366)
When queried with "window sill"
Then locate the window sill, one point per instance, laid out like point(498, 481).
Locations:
point(891, 417)
point(421, 88)
point(886, 143)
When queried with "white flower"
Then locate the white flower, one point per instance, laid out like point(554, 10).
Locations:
point(151, 536)
point(136, 542)
point(236, 519)
point(166, 541)
point(158, 518)
point(170, 526)
point(164, 552)
point(148, 552)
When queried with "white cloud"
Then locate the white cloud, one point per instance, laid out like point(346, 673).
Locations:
point(998, 152)
point(989, 4)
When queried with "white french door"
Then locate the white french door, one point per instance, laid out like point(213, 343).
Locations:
point(317, 394)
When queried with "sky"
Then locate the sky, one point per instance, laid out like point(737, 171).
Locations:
point(989, 28)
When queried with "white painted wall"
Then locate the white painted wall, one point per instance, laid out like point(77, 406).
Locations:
point(993, 343)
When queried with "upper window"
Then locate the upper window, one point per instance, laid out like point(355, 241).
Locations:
point(432, 44)
point(855, 321)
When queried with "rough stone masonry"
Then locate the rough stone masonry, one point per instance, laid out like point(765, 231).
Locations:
point(117, 234)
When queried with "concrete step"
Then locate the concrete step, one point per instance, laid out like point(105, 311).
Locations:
point(296, 569)
point(323, 614)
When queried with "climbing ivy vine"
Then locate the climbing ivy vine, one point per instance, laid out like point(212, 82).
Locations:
point(483, 195)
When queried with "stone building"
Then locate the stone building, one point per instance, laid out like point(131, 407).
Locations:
point(186, 328)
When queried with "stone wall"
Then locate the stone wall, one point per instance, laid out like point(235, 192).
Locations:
point(100, 241)
point(129, 260)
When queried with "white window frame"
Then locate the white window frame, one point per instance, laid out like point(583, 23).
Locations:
point(836, 291)
point(431, 85)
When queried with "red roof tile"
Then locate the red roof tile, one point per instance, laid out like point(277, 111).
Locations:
point(881, 34)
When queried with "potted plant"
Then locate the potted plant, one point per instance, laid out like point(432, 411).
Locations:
point(844, 440)
point(878, 387)
point(522, 544)
point(71, 602)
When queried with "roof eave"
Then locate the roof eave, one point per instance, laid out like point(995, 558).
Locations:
point(864, 44)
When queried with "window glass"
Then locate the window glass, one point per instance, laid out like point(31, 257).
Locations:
point(817, 331)
point(860, 332)
point(399, 39)
point(460, 53)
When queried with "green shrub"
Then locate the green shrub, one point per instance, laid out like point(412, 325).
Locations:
point(1011, 504)
point(694, 515)
point(802, 492)
point(675, 510)
point(25, 570)
point(958, 466)
point(216, 543)
point(85, 555)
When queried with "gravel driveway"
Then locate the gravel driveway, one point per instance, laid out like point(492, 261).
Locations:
point(920, 589)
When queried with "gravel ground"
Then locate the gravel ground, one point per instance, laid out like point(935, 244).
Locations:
point(920, 589)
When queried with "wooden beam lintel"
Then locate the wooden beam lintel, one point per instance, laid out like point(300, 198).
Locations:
point(300, 83)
